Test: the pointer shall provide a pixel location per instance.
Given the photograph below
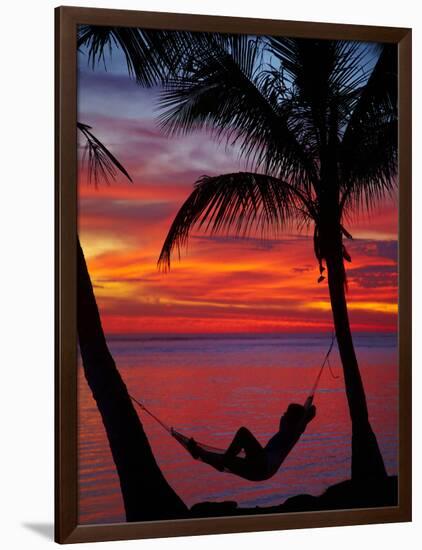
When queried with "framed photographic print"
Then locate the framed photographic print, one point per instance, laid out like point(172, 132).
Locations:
point(233, 274)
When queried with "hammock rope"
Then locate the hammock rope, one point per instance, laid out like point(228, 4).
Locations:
point(152, 415)
point(185, 440)
point(182, 439)
point(325, 362)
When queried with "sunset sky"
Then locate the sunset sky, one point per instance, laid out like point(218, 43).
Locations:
point(221, 284)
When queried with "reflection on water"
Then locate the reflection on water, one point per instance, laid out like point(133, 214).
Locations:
point(211, 385)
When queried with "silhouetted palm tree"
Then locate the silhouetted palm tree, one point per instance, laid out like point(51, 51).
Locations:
point(316, 121)
point(146, 493)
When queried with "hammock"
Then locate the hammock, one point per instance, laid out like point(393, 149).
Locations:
point(186, 441)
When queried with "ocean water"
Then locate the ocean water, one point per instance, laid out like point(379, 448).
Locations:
point(207, 386)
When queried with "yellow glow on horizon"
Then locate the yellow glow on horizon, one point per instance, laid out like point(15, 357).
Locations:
point(380, 307)
point(95, 245)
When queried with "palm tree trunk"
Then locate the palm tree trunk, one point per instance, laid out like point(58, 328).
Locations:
point(146, 493)
point(367, 461)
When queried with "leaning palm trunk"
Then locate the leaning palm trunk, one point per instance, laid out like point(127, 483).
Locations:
point(146, 493)
point(367, 461)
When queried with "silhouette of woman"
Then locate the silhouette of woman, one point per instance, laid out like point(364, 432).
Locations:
point(259, 463)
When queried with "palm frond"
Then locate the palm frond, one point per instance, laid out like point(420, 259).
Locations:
point(150, 54)
point(370, 170)
point(368, 151)
point(378, 98)
point(322, 74)
point(102, 164)
point(241, 202)
point(225, 94)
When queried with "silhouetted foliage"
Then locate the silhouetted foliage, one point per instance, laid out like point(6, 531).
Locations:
point(323, 107)
point(102, 165)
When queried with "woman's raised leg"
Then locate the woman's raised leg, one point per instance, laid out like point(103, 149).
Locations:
point(244, 440)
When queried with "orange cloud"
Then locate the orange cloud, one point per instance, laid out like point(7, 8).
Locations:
point(221, 284)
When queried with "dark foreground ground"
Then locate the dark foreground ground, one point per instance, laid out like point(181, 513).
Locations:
point(345, 495)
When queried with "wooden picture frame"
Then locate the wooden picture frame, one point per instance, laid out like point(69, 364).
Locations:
point(67, 529)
